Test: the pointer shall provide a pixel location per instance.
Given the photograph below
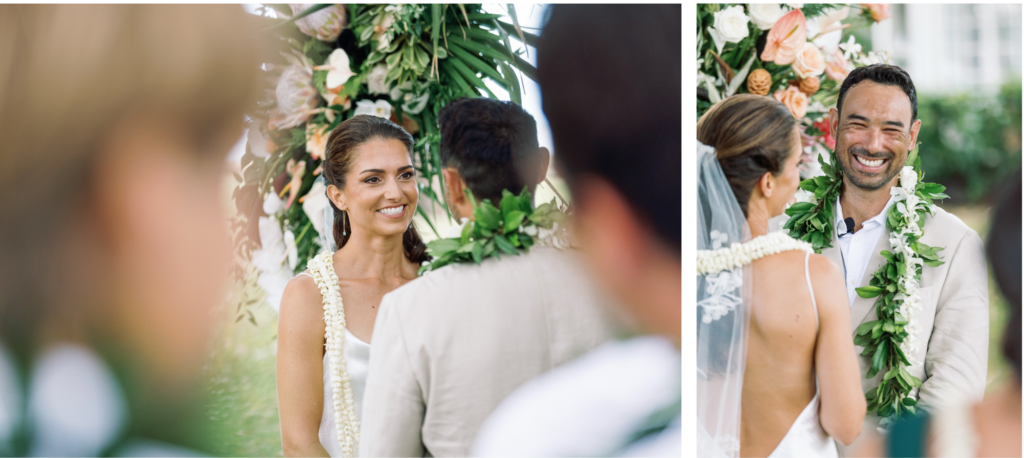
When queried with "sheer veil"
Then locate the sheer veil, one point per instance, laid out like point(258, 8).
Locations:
point(723, 309)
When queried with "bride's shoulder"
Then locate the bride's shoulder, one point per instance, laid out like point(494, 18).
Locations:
point(301, 293)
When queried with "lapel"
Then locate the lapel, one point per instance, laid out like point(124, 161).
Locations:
point(862, 307)
point(833, 252)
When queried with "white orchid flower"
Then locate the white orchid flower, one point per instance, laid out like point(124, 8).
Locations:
point(338, 68)
point(314, 203)
point(272, 204)
point(850, 48)
point(375, 80)
point(380, 108)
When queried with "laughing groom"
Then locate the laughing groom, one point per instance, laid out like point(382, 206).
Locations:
point(875, 126)
point(449, 346)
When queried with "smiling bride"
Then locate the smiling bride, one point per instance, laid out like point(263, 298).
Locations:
point(328, 311)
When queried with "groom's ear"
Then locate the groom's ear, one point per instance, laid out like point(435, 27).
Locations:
point(833, 122)
point(453, 185)
point(915, 128)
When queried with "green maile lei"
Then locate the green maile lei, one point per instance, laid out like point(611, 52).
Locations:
point(513, 226)
point(887, 339)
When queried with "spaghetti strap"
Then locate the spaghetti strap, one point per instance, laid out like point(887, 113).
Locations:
point(814, 303)
point(305, 272)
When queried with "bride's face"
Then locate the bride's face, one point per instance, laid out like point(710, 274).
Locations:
point(380, 193)
point(788, 181)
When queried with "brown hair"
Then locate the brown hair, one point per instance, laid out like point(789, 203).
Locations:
point(193, 65)
point(752, 135)
point(341, 145)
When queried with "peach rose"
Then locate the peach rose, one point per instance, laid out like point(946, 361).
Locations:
point(786, 38)
point(809, 62)
point(837, 67)
point(879, 11)
point(793, 99)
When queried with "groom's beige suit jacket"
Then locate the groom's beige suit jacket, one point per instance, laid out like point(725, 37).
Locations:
point(449, 346)
point(953, 351)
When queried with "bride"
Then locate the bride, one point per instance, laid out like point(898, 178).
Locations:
point(328, 311)
point(776, 370)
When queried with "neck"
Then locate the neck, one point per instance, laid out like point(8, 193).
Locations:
point(757, 219)
point(862, 204)
point(372, 256)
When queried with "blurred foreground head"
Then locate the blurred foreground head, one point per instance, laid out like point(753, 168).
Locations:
point(114, 124)
point(1004, 250)
point(611, 77)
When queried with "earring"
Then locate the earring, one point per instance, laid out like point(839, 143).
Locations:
point(344, 220)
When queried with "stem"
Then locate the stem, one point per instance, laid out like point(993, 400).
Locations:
point(548, 182)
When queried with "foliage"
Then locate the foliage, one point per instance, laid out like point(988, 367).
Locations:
point(881, 339)
point(971, 141)
point(505, 228)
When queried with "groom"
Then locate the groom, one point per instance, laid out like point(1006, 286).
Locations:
point(448, 347)
point(875, 126)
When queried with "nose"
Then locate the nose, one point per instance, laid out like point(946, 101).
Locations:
point(876, 141)
point(391, 190)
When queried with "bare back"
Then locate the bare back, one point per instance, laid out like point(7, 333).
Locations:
point(799, 344)
point(779, 378)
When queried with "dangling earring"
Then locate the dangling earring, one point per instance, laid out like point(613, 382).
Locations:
point(344, 220)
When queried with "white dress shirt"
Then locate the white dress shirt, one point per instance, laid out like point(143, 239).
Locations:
point(858, 247)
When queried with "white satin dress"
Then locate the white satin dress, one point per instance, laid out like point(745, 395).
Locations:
point(357, 353)
point(806, 437)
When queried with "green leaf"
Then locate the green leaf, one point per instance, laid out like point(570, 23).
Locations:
point(470, 76)
point(467, 232)
point(513, 220)
point(474, 61)
point(801, 207)
point(876, 330)
point(509, 203)
point(488, 216)
point(879, 359)
point(888, 327)
point(865, 327)
point(908, 401)
point(862, 340)
point(868, 292)
point(504, 245)
point(441, 246)
point(478, 251)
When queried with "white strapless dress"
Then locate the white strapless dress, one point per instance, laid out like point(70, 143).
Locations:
point(357, 353)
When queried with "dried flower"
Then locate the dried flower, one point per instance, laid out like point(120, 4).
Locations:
point(759, 82)
point(324, 25)
point(809, 85)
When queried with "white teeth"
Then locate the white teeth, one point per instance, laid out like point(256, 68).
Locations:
point(868, 163)
point(392, 210)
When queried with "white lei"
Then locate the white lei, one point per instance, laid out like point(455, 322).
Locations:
point(322, 269)
point(719, 268)
point(741, 254)
point(907, 204)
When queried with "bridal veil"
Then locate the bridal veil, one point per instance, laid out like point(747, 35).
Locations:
point(723, 309)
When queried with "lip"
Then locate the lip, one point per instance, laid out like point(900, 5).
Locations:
point(865, 168)
point(396, 215)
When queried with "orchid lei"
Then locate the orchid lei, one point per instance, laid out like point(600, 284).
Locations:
point(511, 227)
point(894, 335)
point(322, 269)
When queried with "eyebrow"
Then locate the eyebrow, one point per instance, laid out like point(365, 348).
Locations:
point(381, 171)
point(862, 118)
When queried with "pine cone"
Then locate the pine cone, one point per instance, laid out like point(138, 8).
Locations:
point(759, 82)
point(809, 85)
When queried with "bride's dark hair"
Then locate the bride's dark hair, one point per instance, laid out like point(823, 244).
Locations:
point(341, 145)
point(752, 135)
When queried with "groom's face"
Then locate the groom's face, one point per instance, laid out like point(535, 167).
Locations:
point(874, 134)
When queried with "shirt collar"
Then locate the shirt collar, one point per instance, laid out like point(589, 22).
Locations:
point(878, 219)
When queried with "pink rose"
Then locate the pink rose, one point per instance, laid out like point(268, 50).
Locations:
point(837, 67)
point(809, 62)
point(879, 11)
point(794, 100)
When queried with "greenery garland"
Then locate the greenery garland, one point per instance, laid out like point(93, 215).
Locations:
point(888, 339)
point(511, 227)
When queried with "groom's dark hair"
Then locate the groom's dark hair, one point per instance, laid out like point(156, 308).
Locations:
point(889, 75)
point(492, 144)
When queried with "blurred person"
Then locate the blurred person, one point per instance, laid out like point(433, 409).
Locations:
point(610, 76)
point(875, 126)
point(115, 121)
point(448, 347)
point(959, 426)
point(796, 387)
point(323, 345)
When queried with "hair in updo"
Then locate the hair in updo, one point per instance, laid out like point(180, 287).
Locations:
point(751, 135)
point(341, 146)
